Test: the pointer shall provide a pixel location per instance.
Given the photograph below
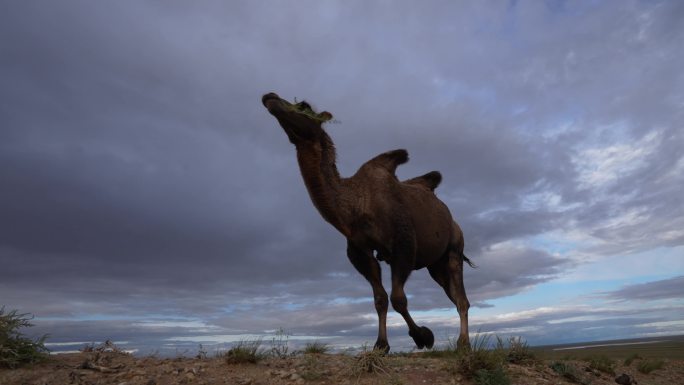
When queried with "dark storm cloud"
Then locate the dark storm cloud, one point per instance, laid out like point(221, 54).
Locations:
point(141, 175)
point(127, 174)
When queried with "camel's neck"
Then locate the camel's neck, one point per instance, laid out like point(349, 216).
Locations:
point(322, 180)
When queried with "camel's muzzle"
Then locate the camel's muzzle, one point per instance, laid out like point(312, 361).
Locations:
point(268, 97)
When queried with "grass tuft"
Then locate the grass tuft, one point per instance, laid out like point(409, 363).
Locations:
point(245, 351)
point(492, 377)
point(316, 347)
point(480, 356)
point(602, 364)
point(647, 366)
point(201, 353)
point(279, 344)
point(518, 351)
point(312, 370)
point(631, 358)
point(568, 372)
point(15, 348)
point(369, 361)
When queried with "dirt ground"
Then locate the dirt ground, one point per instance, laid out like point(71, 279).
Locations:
point(122, 369)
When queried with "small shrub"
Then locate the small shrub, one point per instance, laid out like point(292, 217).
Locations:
point(201, 353)
point(88, 348)
point(480, 356)
point(631, 358)
point(602, 364)
point(316, 347)
point(106, 347)
point(279, 344)
point(312, 369)
point(15, 348)
point(370, 361)
point(648, 366)
point(245, 352)
point(518, 351)
point(567, 371)
point(492, 377)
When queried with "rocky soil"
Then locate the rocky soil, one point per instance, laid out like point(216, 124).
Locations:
point(122, 369)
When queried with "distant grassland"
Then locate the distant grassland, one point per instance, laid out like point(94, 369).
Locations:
point(666, 347)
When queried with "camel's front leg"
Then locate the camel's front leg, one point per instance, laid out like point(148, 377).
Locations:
point(368, 266)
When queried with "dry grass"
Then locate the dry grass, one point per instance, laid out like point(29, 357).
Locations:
point(369, 361)
point(631, 358)
point(280, 344)
point(517, 351)
point(244, 351)
point(316, 347)
point(602, 364)
point(568, 372)
point(647, 366)
point(481, 356)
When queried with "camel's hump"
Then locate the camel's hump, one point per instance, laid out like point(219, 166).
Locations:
point(430, 180)
point(390, 159)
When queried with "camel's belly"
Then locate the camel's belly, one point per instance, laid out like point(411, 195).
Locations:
point(433, 232)
point(385, 226)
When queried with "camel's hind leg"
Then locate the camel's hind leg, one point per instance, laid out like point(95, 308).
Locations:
point(421, 335)
point(448, 272)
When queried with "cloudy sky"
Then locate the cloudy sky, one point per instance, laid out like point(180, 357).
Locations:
point(147, 196)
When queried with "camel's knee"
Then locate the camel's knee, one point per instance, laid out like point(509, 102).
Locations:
point(458, 297)
point(463, 305)
point(399, 302)
point(381, 302)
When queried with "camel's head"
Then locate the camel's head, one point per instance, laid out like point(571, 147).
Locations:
point(300, 122)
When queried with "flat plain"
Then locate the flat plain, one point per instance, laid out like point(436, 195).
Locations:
point(593, 363)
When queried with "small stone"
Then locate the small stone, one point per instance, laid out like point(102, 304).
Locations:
point(625, 379)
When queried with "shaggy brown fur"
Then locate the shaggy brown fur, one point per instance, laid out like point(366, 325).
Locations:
point(401, 223)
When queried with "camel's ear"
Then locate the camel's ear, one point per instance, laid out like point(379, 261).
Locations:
point(325, 116)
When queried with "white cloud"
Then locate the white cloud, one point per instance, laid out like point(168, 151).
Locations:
point(599, 167)
point(660, 263)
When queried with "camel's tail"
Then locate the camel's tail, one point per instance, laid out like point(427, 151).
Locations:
point(468, 261)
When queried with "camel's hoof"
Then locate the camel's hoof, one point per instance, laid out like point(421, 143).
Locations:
point(424, 338)
point(382, 346)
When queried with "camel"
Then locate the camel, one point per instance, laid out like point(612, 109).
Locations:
point(402, 223)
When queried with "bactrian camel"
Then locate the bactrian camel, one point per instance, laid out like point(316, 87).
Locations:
point(400, 222)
